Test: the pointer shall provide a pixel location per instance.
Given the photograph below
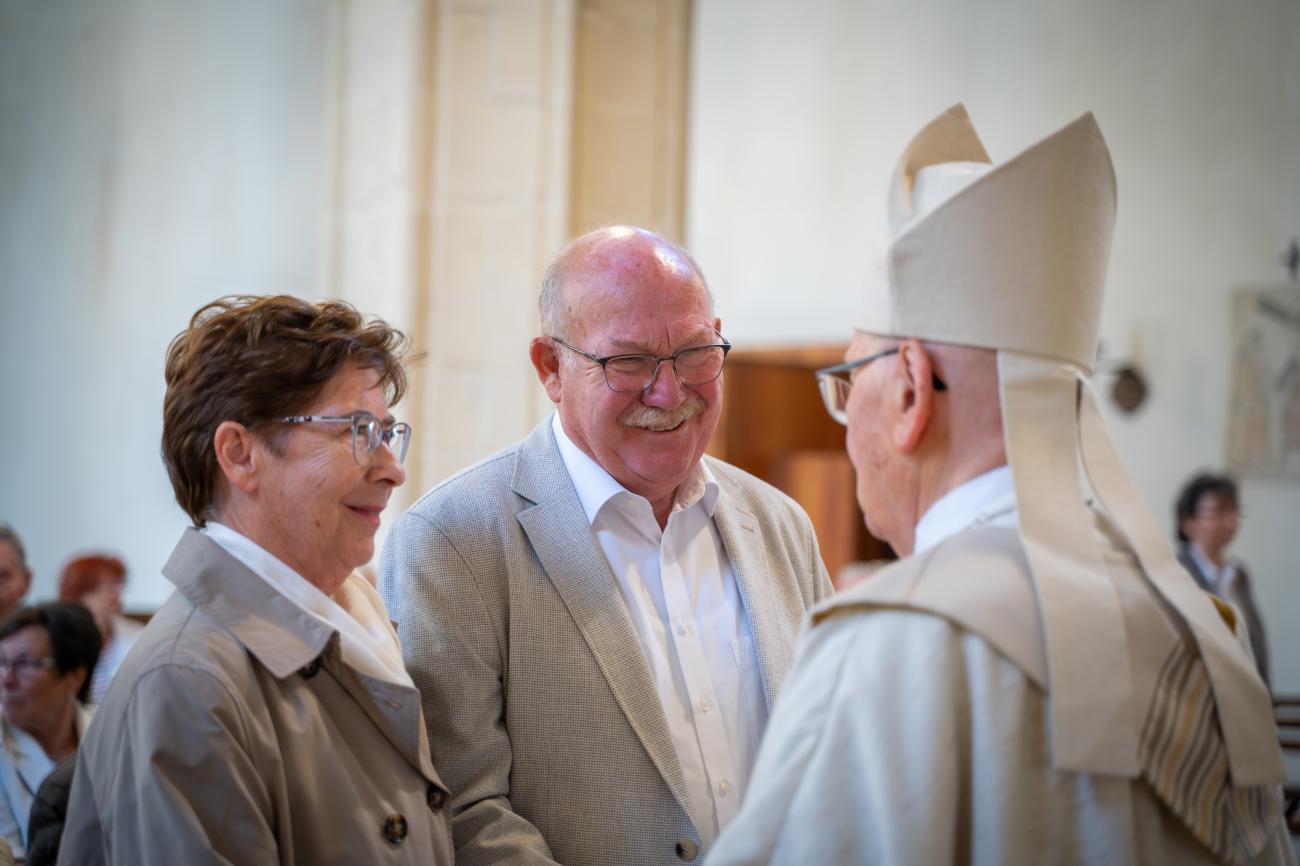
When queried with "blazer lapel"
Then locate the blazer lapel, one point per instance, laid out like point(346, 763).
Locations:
point(747, 550)
point(571, 556)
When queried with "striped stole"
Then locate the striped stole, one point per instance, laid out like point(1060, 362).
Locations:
point(1184, 761)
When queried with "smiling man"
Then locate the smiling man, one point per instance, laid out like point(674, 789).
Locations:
point(599, 616)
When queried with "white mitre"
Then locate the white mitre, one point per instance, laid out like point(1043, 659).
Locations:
point(1012, 257)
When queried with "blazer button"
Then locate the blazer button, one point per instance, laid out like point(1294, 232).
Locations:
point(436, 798)
point(395, 829)
point(687, 850)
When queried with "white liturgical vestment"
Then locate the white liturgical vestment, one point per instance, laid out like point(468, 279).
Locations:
point(914, 728)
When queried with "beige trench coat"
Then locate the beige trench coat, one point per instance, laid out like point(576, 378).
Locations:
point(235, 734)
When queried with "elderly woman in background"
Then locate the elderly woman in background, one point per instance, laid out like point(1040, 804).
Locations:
point(264, 715)
point(46, 655)
point(97, 581)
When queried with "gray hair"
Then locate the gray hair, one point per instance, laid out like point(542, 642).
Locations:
point(550, 303)
point(9, 536)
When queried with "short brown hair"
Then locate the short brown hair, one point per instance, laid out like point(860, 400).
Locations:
point(252, 359)
point(85, 574)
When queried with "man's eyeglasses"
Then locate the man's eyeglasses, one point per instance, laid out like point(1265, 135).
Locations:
point(835, 383)
point(368, 433)
point(26, 666)
point(697, 365)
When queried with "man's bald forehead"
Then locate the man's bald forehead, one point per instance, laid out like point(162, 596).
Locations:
point(626, 248)
point(612, 255)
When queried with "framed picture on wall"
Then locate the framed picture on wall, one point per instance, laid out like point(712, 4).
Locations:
point(1264, 406)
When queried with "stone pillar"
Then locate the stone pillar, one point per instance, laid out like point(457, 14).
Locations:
point(451, 193)
point(498, 211)
point(629, 117)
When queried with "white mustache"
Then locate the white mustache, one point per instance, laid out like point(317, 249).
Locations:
point(659, 420)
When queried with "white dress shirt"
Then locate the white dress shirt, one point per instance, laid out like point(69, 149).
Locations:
point(685, 605)
point(366, 637)
point(1223, 580)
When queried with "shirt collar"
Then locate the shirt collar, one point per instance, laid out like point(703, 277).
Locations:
point(596, 487)
point(1219, 577)
point(985, 499)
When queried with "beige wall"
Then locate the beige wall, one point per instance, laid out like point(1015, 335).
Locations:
point(800, 110)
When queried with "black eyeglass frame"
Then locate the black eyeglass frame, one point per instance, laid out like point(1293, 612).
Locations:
point(841, 372)
point(603, 360)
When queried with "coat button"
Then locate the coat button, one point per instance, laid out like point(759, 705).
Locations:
point(311, 668)
point(687, 850)
point(395, 829)
point(437, 798)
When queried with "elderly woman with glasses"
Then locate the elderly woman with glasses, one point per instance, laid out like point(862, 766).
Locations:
point(46, 655)
point(264, 715)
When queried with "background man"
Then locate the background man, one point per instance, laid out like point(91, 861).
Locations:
point(1034, 682)
point(599, 617)
point(1207, 518)
point(15, 576)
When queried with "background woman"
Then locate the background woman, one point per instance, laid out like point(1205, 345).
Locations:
point(46, 655)
point(96, 581)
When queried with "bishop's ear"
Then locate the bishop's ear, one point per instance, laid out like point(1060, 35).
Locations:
point(237, 455)
point(546, 361)
point(915, 384)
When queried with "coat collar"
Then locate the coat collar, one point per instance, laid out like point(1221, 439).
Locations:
point(280, 635)
point(286, 640)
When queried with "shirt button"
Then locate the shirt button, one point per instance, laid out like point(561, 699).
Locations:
point(705, 706)
point(683, 629)
point(724, 788)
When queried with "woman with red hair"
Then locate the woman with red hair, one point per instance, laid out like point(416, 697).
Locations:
point(97, 581)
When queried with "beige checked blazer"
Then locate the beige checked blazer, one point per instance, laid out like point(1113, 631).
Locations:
point(543, 718)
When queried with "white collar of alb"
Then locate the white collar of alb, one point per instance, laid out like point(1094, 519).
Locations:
point(988, 499)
